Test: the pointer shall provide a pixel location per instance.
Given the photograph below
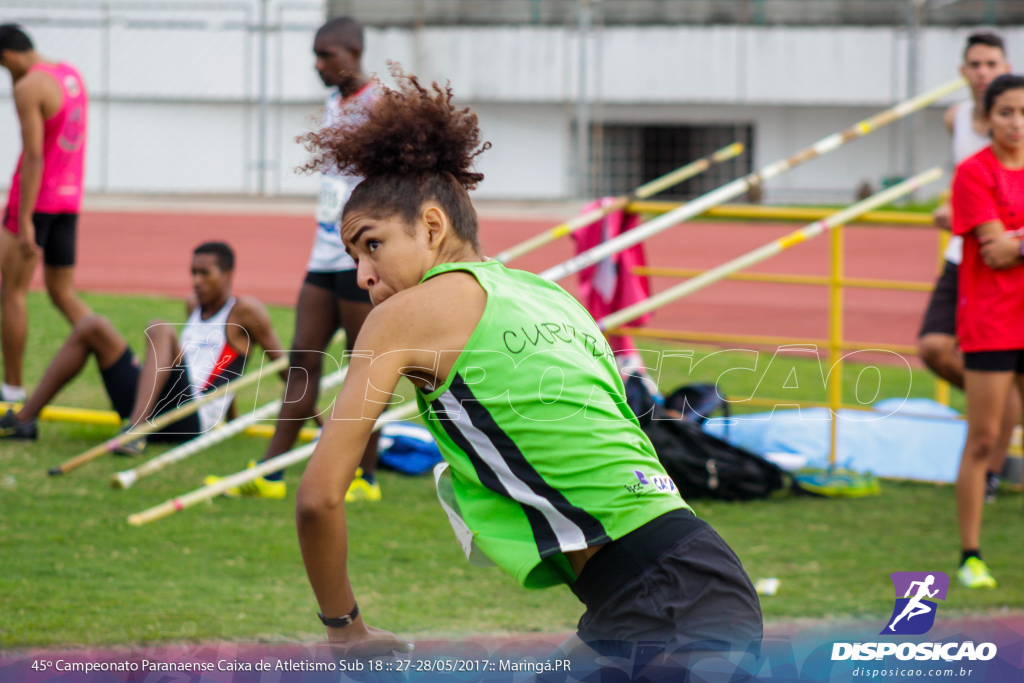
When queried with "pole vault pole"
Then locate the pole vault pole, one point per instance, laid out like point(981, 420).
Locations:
point(614, 320)
point(608, 322)
point(170, 417)
point(125, 479)
point(741, 185)
point(267, 466)
point(694, 168)
point(162, 420)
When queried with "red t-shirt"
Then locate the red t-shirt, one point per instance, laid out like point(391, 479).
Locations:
point(990, 308)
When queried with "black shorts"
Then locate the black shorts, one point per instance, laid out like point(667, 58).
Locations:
point(56, 236)
point(995, 361)
point(121, 380)
point(341, 283)
point(673, 581)
point(940, 317)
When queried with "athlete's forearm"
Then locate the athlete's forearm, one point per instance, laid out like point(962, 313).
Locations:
point(31, 181)
point(323, 538)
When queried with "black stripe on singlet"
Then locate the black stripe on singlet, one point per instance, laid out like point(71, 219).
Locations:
point(593, 531)
point(543, 534)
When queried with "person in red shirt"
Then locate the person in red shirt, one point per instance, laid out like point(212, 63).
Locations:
point(988, 210)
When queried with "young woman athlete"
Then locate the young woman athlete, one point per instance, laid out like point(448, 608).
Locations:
point(988, 207)
point(550, 476)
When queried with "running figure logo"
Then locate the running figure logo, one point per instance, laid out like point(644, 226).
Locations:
point(914, 613)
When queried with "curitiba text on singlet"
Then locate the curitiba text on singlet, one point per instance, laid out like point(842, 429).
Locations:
point(545, 455)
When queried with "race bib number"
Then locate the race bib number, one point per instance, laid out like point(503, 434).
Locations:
point(333, 193)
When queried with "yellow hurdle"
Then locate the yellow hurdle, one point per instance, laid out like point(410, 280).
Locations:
point(108, 418)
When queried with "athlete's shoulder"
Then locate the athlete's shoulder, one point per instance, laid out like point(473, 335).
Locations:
point(248, 311)
point(949, 118)
point(34, 86)
point(442, 307)
point(983, 161)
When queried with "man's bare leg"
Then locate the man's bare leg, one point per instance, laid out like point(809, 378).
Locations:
point(315, 323)
point(162, 355)
point(60, 285)
point(15, 276)
point(93, 335)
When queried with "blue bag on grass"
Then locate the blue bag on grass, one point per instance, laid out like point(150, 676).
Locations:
point(408, 448)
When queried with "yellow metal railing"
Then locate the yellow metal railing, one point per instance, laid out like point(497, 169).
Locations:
point(836, 281)
point(785, 213)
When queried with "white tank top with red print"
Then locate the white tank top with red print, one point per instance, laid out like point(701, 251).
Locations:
point(210, 360)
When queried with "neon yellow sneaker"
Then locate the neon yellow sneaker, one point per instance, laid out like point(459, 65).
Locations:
point(361, 489)
point(974, 574)
point(257, 488)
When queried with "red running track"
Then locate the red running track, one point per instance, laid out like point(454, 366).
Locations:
point(149, 253)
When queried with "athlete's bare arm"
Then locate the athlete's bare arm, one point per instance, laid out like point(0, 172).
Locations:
point(949, 117)
point(403, 336)
point(32, 95)
point(252, 317)
point(942, 215)
point(997, 249)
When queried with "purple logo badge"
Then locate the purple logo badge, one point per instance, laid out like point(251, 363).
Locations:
point(915, 608)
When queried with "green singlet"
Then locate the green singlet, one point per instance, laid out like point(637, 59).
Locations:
point(545, 455)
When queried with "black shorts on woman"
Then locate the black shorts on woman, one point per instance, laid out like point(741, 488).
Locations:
point(672, 582)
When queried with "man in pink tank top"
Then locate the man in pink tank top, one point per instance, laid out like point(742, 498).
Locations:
point(45, 195)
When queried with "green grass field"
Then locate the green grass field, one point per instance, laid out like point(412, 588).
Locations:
point(72, 571)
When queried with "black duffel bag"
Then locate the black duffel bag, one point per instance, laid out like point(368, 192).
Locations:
point(704, 466)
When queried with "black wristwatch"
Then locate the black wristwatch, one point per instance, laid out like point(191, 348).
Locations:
point(342, 621)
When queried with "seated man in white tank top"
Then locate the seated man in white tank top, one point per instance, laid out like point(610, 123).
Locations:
point(210, 349)
point(984, 60)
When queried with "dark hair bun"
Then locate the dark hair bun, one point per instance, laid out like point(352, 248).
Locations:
point(409, 131)
point(1000, 85)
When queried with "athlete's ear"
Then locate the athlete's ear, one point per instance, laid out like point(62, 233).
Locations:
point(437, 224)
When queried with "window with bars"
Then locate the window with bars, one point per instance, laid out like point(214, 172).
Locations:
point(625, 156)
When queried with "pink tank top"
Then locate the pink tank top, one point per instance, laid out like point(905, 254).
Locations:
point(63, 151)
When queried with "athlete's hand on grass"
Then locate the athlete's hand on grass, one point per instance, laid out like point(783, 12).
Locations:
point(1000, 252)
point(358, 639)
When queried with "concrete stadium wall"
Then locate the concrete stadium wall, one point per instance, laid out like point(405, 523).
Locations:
point(175, 107)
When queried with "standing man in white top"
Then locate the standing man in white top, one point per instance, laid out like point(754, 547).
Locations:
point(984, 60)
point(330, 297)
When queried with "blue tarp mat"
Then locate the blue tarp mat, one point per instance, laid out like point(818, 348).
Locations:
point(899, 438)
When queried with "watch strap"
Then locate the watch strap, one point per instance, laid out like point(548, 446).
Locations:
point(342, 621)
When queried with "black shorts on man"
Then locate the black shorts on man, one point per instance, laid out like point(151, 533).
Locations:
point(121, 380)
point(940, 316)
point(56, 235)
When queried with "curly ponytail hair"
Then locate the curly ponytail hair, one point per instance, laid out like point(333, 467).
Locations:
point(413, 146)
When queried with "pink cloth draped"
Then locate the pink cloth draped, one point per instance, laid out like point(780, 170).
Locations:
point(612, 284)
